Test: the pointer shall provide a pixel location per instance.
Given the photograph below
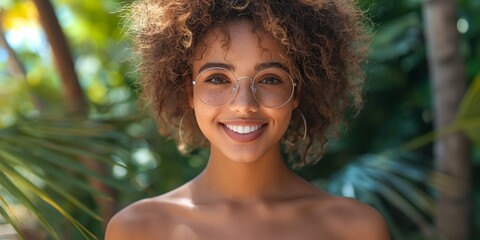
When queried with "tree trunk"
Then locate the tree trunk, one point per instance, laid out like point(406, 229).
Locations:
point(451, 153)
point(73, 93)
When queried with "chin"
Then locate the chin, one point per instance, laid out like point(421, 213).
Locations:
point(245, 155)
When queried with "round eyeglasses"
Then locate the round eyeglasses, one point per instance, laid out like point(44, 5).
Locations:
point(271, 87)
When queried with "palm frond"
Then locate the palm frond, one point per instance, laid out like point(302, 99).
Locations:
point(393, 179)
point(22, 197)
point(469, 114)
point(5, 214)
point(39, 158)
point(468, 121)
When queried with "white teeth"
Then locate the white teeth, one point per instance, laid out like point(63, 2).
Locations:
point(244, 129)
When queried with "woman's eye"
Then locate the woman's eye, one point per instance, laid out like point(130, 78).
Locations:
point(217, 79)
point(270, 80)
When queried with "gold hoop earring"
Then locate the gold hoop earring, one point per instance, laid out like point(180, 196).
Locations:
point(304, 129)
point(304, 124)
point(180, 128)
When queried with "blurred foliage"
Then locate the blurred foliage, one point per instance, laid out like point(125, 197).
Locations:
point(394, 183)
point(40, 156)
point(40, 162)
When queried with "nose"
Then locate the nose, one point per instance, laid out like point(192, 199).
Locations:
point(244, 101)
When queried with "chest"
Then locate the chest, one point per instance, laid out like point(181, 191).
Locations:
point(255, 227)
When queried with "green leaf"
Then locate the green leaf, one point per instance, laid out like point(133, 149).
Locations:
point(469, 114)
point(21, 197)
point(12, 221)
point(6, 214)
point(408, 190)
point(56, 149)
point(58, 173)
point(468, 121)
point(391, 41)
point(40, 150)
point(389, 176)
point(25, 183)
point(5, 203)
point(72, 199)
point(403, 205)
point(57, 189)
point(430, 137)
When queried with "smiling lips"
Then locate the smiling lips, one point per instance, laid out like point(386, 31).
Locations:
point(244, 133)
point(244, 129)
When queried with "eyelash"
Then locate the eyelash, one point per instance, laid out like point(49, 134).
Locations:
point(269, 78)
point(223, 79)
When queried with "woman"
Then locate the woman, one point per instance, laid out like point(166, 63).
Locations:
point(249, 79)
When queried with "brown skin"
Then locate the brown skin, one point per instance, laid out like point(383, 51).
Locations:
point(246, 191)
point(303, 213)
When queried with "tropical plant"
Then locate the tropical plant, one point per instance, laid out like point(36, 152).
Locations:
point(42, 158)
point(401, 178)
point(40, 162)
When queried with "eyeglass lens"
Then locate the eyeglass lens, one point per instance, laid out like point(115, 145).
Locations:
point(271, 87)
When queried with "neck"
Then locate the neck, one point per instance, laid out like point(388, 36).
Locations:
point(244, 181)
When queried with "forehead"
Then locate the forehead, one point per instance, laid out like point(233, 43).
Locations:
point(236, 43)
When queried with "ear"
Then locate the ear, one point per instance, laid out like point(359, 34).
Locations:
point(296, 96)
point(189, 91)
point(296, 102)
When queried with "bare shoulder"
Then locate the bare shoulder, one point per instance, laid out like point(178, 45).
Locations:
point(352, 219)
point(145, 219)
point(137, 221)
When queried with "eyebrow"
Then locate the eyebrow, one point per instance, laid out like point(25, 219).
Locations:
point(258, 67)
point(266, 65)
point(215, 65)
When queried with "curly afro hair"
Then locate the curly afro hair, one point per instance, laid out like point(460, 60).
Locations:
point(324, 40)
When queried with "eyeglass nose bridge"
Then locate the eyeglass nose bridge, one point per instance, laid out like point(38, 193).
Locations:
point(237, 85)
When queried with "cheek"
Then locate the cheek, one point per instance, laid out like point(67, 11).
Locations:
point(286, 120)
point(282, 119)
point(204, 115)
point(286, 114)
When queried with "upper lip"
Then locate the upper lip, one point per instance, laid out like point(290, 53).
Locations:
point(244, 122)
